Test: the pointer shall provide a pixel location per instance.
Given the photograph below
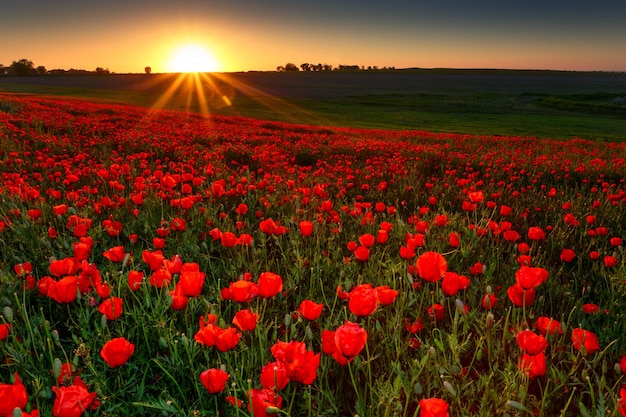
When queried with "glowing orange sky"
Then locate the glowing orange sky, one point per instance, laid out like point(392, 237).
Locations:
point(251, 35)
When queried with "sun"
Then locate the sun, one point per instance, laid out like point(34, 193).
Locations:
point(192, 58)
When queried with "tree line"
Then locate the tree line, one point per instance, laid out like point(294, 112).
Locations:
point(27, 67)
point(289, 67)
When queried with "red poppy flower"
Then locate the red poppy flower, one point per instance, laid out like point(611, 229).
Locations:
point(214, 380)
point(591, 308)
point(610, 261)
point(454, 240)
point(567, 255)
point(135, 278)
point(363, 300)
point(262, 400)
point(63, 291)
point(362, 253)
point(179, 299)
point(547, 326)
point(72, 401)
point(528, 277)
point(245, 320)
point(536, 233)
point(4, 331)
point(111, 308)
point(306, 228)
point(488, 301)
point(530, 342)
point(433, 407)
point(453, 283)
point(228, 239)
point(117, 351)
point(227, 339)
point(63, 267)
point(242, 291)
point(350, 339)
point(191, 279)
point(520, 296)
point(160, 278)
point(301, 364)
point(310, 310)
point(274, 375)
point(367, 240)
point(386, 295)
point(436, 312)
point(431, 266)
point(13, 396)
point(269, 284)
point(585, 338)
point(533, 365)
point(382, 236)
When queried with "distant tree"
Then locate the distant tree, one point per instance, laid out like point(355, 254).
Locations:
point(291, 67)
point(102, 71)
point(280, 68)
point(41, 69)
point(23, 66)
point(306, 66)
point(148, 70)
point(328, 67)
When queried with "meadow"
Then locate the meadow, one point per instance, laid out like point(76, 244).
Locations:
point(163, 262)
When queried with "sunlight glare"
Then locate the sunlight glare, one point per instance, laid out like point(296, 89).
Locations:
point(192, 58)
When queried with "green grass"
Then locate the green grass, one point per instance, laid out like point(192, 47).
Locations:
point(545, 115)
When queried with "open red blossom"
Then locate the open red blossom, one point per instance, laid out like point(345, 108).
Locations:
point(547, 326)
point(4, 330)
point(433, 407)
point(367, 240)
point(454, 240)
point(63, 267)
point(386, 295)
point(489, 301)
point(117, 351)
point(529, 277)
point(520, 296)
point(191, 279)
point(363, 300)
point(362, 253)
point(63, 291)
point(310, 310)
point(160, 278)
point(73, 400)
point(301, 364)
point(610, 261)
point(344, 343)
point(135, 278)
point(245, 320)
point(306, 228)
point(179, 299)
point(436, 312)
point(536, 233)
point(533, 365)
point(591, 308)
point(111, 308)
point(269, 284)
point(241, 291)
point(567, 255)
point(274, 376)
point(453, 283)
point(586, 339)
point(431, 266)
point(264, 403)
point(622, 364)
point(153, 259)
point(12, 396)
point(530, 342)
point(214, 380)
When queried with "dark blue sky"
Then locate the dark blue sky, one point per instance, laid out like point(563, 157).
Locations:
point(127, 35)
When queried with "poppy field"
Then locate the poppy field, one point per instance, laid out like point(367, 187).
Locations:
point(169, 263)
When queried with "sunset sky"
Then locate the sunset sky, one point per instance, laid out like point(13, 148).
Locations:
point(241, 35)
